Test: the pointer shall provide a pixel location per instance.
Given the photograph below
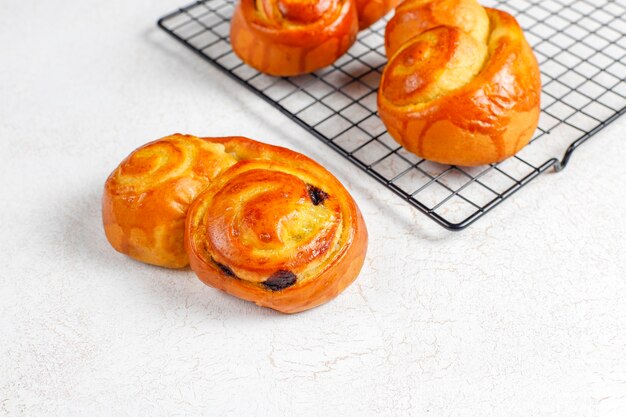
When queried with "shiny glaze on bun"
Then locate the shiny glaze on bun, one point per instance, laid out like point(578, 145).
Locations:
point(276, 229)
point(449, 97)
point(292, 37)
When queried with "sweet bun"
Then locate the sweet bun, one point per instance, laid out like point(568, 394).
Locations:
point(292, 37)
point(450, 97)
point(276, 228)
point(370, 11)
point(146, 197)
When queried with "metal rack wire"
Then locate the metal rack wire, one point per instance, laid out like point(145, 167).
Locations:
point(581, 48)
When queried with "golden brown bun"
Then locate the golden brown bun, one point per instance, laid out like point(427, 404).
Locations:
point(450, 98)
point(276, 229)
point(147, 196)
point(292, 37)
point(370, 11)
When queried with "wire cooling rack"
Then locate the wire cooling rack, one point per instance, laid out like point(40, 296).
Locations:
point(581, 48)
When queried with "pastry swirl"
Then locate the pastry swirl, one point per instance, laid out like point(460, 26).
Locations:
point(451, 97)
point(277, 229)
point(147, 196)
point(292, 37)
point(413, 17)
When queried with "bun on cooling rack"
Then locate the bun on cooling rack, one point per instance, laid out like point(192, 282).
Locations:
point(371, 11)
point(276, 229)
point(146, 198)
point(292, 37)
point(454, 96)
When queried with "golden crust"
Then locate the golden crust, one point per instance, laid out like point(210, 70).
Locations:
point(457, 112)
point(413, 17)
point(146, 197)
point(276, 229)
point(292, 37)
point(370, 11)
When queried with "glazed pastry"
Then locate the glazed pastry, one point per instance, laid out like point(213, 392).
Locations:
point(292, 37)
point(448, 96)
point(371, 11)
point(147, 196)
point(276, 229)
point(413, 17)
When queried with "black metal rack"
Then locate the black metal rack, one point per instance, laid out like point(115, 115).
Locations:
point(581, 48)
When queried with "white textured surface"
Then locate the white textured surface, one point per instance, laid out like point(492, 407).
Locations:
point(523, 314)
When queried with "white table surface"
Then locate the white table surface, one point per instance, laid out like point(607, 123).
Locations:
point(522, 314)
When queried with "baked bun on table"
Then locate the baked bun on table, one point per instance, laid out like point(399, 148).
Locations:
point(276, 229)
point(146, 198)
point(452, 94)
point(267, 224)
point(292, 37)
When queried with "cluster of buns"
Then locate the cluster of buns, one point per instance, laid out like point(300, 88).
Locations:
point(292, 37)
point(260, 222)
point(462, 85)
point(269, 225)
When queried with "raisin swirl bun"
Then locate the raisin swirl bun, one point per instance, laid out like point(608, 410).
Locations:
point(292, 37)
point(146, 197)
point(452, 94)
point(276, 229)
